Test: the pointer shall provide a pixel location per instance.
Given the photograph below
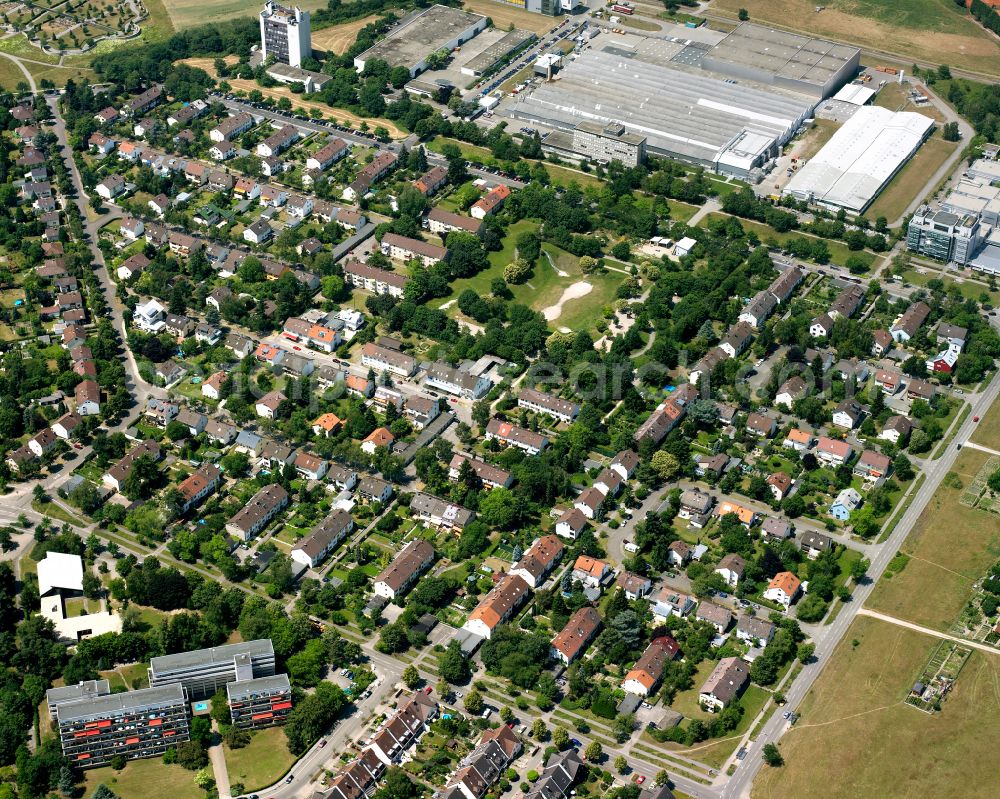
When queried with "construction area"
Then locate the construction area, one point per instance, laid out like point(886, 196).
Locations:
point(938, 676)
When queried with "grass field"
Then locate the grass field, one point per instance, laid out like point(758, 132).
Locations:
point(812, 140)
point(339, 38)
point(145, 778)
point(262, 762)
point(910, 181)
point(504, 16)
point(951, 547)
point(188, 13)
point(988, 431)
point(855, 724)
point(896, 97)
point(970, 289)
point(931, 30)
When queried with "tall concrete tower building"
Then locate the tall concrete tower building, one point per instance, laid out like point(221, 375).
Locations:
point(285, 34)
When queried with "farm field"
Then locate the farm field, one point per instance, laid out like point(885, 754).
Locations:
point(894, 199)
point(504, 16)
point(144, 778)
point(950, 548)
point(262, 762)
point(855, 713)
point(931, 30)
point(188, 13)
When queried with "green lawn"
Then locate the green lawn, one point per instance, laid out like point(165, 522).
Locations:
point(261, 763)
point(970, 289)
point(909, 182)
point(141, 779)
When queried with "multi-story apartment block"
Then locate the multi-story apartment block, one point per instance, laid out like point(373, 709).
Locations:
point(205, 671)
point(259, 702)
point(134, 724)
point(285, 34)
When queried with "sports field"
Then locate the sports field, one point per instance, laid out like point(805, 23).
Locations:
point(929, 30)
point(951, 547)
point(856, 737)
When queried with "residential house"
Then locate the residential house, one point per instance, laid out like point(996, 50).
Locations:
point(457, 381)
point(848, 414)
point(498, 606)
point(328, 154)
point(372, 489)
point(491, 202)
point(873, 466)
point(791, 390)
point(731, 569)
point(747, 516)
point(436, 512)
point(725, 684)
point(678, 553)
point(571, 524)
point(671, 602)
point(258, 512)
point(199, 484)
point(373, 279)
point(591, 571)
point(896, 429)
point(780, 484)
point(548, 404)
point(754, 631)
point(87, 395)
point(635, 586)
point(66, 425)
point(539, 560)
point(443, 222)
point(512, 435)
point(267, 406)
point(784, 589)
point(116, 476)
point(832, 452)
point(644, 677)
point(845, 503)
point(759, 309)
point(737, 339)
point(404, 570)
point(384, 359)
point(323, 538)
point(910, 322)
point(812, 544)
point(760, 424)
point(625, 463)
point(889, 380)
point(590, 502)
point(491, 476)
point(310, 466)
point(379, 437)
point(403, 248)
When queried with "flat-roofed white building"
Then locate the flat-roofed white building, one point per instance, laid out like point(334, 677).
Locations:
point(860, 158)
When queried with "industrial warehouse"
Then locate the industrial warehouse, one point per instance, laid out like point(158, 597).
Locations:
point(411, 43)
point(860, 158)
point(727, 101)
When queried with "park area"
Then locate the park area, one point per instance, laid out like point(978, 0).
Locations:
point(938, 31)
point(857, 709)
point(557, 287)
point(950, 548)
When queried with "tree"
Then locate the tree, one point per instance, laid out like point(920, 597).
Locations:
point(474, 702)
point(192, 755)
point(950, 131)
point(860, 568)
point(398, 785)
point(594, 752)
point(621, 764)
point(313, 716)
point(902, 466)
point(453, 666)
point(623, 726)
point(500, 508)
point(665, 465)
point(506, 714)
point(772, 756)
point(102, 791)
point(662, 778)
point(67, 783)
point(411, 677)
point(539, 730)
point(743, 15)
point(805, 652)
point(560, 738)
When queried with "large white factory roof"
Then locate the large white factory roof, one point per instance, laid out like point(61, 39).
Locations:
point(855, 94)
point(860, 158)
point(682, 112)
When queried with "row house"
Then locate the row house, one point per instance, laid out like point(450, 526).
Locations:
point(323, 538)
point(537, 563)
point(373, 279)
point(512, 435)
point(435, 512)
point(549, 404)
point(491, 476)
point(379, 167)
point(412, 561)
point(403, 248)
